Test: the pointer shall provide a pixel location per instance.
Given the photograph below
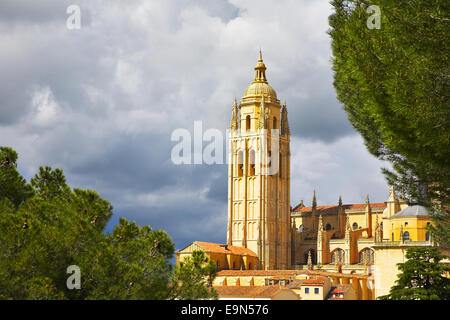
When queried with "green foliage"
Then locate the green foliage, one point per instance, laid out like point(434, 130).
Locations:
point(421, 277)
point(394, 85)
point(45, 227)
point(12, 186)
point(193, 278)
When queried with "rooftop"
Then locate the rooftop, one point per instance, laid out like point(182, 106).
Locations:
point(333, 209)
point(224, 248)
point(412, 211)
point(247, 291)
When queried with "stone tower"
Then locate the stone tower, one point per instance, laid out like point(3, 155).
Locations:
point(259, 174)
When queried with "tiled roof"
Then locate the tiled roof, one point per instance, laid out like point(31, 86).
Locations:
point(333, 209)
point(315, 281)
point(223, 248)
point(244, 273)
point(412, 211)
point(287, 273)
point(248, 291)
point(295, 284)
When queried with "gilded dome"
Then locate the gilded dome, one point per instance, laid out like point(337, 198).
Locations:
point(259, 89)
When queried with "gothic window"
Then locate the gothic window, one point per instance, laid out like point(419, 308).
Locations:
point(252, 162)
point(406, 236)
point(392, 237)
point(328, 227)
point(240, 164)
point(355, 226)
point(274, 123)
point(427, 236)
point(247, 123)
point(338, 256)
point(366, 252)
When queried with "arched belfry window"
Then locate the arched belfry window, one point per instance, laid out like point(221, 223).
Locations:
point(355, 226)
point(328, 227)
point(274, 123)
point(252, 163)
point(247, 123)
point(406, 236)
point(240, 164)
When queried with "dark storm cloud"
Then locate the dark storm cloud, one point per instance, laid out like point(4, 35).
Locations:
point(101, 102)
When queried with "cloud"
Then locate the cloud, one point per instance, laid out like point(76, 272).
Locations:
point(101, 102)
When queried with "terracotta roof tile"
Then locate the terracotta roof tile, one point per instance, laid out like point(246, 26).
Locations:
point(315, 281)
point(247, 291)
point(334, 208)
point(244, 273)
point(287, 273)
point(223, 248)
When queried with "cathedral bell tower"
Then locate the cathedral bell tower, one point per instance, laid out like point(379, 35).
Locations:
point(259, 174)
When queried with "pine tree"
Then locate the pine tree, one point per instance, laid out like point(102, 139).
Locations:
point(45, 226)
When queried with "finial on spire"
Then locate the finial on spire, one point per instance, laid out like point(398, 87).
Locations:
point(284, 120)
point(234, 123)
point(340, 201)
point(367, 199)
point(392, 196)
point(260, 70)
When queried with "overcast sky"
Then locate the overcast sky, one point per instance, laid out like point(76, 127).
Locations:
point(101, 102)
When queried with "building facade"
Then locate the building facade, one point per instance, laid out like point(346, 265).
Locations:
point(259, 174)
point(357, 245)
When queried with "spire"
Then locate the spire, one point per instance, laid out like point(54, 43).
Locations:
point(367, 199)
point(392, 196)
point(260, 70)
point(284, 120)
point(234, 123)
point(309, 260)
point(340, 201)
point(314, 201)
point(320, 223)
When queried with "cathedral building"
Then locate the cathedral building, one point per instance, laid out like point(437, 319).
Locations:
point(357, 245)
